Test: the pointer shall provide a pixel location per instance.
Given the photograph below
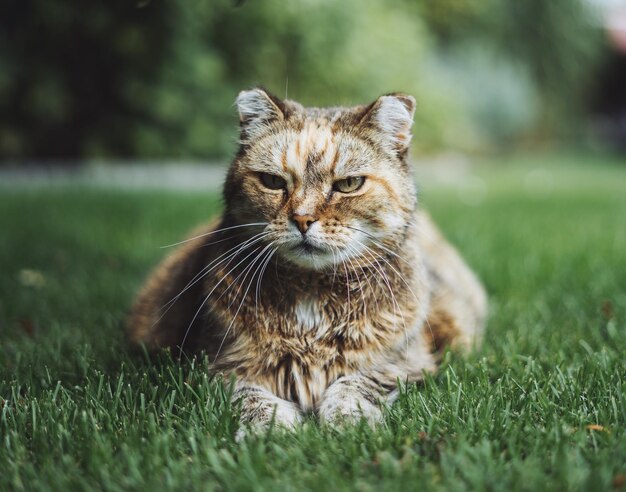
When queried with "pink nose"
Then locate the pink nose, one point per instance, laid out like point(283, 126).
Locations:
point(303, 222)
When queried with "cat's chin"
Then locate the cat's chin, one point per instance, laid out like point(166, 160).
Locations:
point(309, 257)
point(316, 255)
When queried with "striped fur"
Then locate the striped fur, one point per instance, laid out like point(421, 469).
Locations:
point(331, 327)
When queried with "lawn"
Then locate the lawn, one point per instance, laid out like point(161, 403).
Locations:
point(542, 406)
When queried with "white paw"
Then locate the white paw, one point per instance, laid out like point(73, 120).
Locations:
point(350, 412)
point(345, 402)
point(259, 415)
point(247, 428)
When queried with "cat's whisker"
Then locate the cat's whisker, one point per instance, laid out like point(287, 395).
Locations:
point(365, 275)
point(234, 282)
point(259, 282)
point(229, 238)
point(375, 240)
point(361, 291)
point(347, 290)
point(251, 224)
point(348, 270)
point(332, 283)
point(397, 308)
point(228, 253)
point(401, 277)
point(334, 266)
point(360, 287)
point(208, 269)
point(209, 295)
point(242, 300)
point(245, 271)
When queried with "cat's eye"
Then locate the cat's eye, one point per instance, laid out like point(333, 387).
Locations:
point(272, 181)
point(348, 185)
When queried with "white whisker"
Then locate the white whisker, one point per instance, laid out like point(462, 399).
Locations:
point(259, 282)
point(208, 269)
point(401, 277)
point(252, 224)
point(245, 271)
point(347, 290)
point(242, 300)
point(209, 295)
point(396, 306)
point(203, 272)
point(361, 291)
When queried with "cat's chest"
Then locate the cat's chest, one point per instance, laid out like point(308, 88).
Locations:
point(309, 314)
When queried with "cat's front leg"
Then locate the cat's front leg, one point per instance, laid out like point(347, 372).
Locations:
point(260, 408)
point(351, 398)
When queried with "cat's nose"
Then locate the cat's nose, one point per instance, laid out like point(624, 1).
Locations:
point(303, 222)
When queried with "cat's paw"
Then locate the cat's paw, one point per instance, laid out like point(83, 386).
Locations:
point(347, 402)
point(349, 412)
point(262, 410)
point(257, 427)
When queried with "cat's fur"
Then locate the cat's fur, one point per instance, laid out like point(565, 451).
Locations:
point(330, 327)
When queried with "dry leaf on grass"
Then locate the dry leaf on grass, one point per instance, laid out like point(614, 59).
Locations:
point(596, 427)
point(31, 278)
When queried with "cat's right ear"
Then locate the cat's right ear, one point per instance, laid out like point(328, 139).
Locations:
point(392, 117)
point(257, 110)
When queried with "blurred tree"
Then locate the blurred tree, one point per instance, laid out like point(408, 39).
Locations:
point(156, 79)
point(557, 42)
point(64, 66)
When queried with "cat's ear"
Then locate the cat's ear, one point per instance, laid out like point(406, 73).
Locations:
point(391, 116)
point(257, 109)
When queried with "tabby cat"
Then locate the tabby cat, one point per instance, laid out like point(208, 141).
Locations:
point(323, 284)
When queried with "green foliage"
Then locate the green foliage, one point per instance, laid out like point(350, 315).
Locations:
point(157, 79)
point(559, 43)
point(65, 65)
point(555, 44)
point(79, 411)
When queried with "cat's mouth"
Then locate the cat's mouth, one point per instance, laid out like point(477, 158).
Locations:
point(306, 247)
point(309, 253)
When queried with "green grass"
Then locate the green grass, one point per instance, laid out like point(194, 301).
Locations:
point(79, 410)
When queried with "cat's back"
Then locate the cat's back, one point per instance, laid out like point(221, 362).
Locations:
point(458, 299)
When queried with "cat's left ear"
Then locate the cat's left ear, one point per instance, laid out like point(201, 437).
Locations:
point(257, 110)
point(391, 116)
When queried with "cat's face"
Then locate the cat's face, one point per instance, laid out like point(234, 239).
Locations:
point(331, 184)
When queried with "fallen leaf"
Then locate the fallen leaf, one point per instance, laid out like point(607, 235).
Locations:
point(619, 480)
point(32, 278)
point(596, 427)
point(28, 326)
point(607, 309)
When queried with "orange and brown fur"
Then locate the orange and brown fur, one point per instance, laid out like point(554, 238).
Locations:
point(322, 285)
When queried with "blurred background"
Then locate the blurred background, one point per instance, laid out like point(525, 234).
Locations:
point(151, 80)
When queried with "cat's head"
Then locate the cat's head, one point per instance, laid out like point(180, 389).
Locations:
point(332, 184)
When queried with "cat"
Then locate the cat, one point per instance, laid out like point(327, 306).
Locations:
point(323, 284)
